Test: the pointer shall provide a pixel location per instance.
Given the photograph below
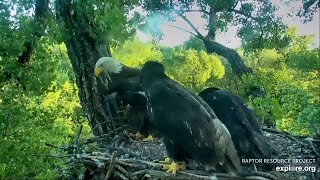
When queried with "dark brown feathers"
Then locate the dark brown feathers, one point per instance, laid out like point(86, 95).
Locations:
point(187, 122)
point(240, 121)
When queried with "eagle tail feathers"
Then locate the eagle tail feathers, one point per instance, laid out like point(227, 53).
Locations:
point(261, 145)
point(232, 160)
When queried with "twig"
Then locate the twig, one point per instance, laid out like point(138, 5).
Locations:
point(121, 169)
point(183, 30)
point(123, 177)
point(53, 155)
point(313, 148)
point(125, 162)
point(77, 148)
point(142, 162)
point(284, 133)
point(199, 35)
point(101, 154)
point(191, 175)
point(265, 175)
point(112, 166)
point(196, 176)
point(108, 108)
point(53, 146)
point(274, 131)
point(101, 137)
point(78, 135)
point(165, 175)
point(294, 138)
point(147, 172)
point(89, 163)
point(197, 10)
point(140, 172)
point(94, 157)
point(132, 165)
point(122, 173)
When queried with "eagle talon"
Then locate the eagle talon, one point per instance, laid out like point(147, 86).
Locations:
point(174, 167)
point(148, 139)
point(167, 160)
point(136, 135)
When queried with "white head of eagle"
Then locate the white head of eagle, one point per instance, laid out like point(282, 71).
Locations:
point(108, 64)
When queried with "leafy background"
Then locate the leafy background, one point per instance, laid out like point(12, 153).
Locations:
point(39, 103)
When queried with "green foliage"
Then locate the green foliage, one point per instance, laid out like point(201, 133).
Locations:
point(194, 43)
point(297, 42)
point(305, 60)
point(193, 68)
point(302, 111)
point(267, 58)
point(38, 104)
point(134, 53)
point(307, 9)
point(279, 37)
point(110, 19)
point(291, 102)
point(27, 123)
point(272, 37)
point(39, 101)
point(13, 30)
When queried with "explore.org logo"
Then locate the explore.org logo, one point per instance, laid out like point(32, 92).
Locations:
point(290, 168)
point(286, 165)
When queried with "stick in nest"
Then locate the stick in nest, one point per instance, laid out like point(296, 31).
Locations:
point(292, 137)
point(112, 166)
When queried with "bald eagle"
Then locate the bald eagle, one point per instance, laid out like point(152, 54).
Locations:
point(190, 129)
point(118, 72)
point(125, 82)
point(240, 121)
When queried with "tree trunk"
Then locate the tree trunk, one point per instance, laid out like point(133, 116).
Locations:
point(237, 64)
point(84, 51)
point(39, 27)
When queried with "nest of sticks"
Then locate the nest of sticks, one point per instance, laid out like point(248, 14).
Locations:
point(118, 156)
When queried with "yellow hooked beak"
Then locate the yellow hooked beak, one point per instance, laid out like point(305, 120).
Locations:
point(97, 71)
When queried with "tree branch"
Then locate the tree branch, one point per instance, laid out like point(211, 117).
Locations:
point(197, 10)
point(112, 166)
point(235, 4)
point(199, 35)
point(183, 30)
point(77, 144)
point(244, 14)
point(309, 3)
point(235, 60)
point(256, 19)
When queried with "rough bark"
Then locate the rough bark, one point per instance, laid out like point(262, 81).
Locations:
point(83, 51)
point(39, 27)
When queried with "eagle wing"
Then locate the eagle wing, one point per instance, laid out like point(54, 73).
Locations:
point(245, 118)
point(221, 137)
point(250, 122)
